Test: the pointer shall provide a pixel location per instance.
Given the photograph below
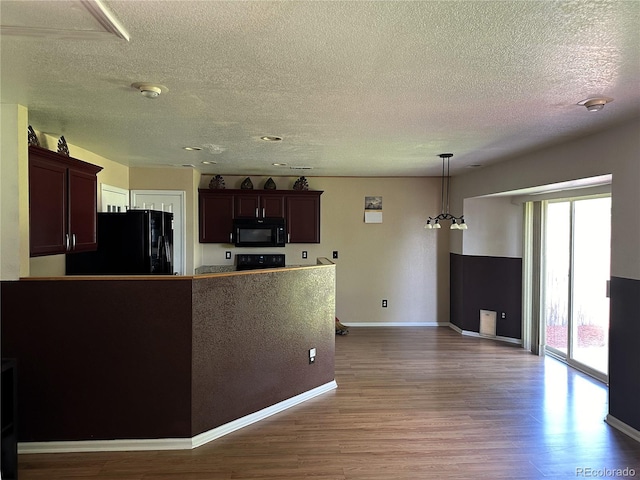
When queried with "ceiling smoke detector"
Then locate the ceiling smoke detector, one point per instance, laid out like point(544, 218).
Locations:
point(149, 90)
point(595, 104)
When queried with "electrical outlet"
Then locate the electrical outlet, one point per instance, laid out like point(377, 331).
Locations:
point(227, 255)
point(335, 254)
point(503, 315)
point(312, 356)
point(384, 304)
point(304, 254)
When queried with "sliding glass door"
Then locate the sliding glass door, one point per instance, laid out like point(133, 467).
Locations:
point(576, 265)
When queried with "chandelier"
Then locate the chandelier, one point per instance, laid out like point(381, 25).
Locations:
point(457, 223)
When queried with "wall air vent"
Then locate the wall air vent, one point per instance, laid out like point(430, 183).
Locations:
point(300, 168)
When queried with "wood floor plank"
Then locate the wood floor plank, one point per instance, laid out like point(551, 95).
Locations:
point(411, 403)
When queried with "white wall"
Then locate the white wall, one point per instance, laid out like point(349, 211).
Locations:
point(14, 200)
point(495, 227)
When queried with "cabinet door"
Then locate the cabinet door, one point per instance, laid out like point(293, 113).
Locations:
point(303, 218)
point(83, 206)
point(272, 206)
point(246, 205)
point(216, 218)
point(47, 207)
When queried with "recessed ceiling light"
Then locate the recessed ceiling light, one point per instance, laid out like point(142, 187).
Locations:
point(301, 167)
point(149, 90)
point(192, 149)
point(474, 165)
point(279, 164)
point(271, 138)
point(207, 163)
point(595, 104)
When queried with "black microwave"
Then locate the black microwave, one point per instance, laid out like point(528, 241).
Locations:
point(259, 232)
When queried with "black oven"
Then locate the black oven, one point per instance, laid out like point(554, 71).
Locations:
point(259, 232)
point(250, 261)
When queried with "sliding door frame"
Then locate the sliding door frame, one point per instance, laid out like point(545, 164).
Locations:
point(533, 281)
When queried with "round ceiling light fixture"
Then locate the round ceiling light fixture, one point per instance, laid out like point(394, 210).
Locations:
point(595, 104)
point(192, 149)
point(149, 90)
point(271, 138)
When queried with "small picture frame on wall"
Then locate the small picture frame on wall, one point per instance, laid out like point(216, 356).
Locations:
point(372, 209)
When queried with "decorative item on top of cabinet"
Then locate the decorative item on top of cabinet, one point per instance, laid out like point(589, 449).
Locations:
point(247, 184)
point(63, 149)
point(62, 203)
point(301, 184)
point(270, 184)
point(32, 138)
point(217, 183)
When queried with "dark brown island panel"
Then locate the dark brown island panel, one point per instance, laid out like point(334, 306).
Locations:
point(159, 357)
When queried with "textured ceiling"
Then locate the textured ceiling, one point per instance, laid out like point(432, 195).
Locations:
point(353, 88)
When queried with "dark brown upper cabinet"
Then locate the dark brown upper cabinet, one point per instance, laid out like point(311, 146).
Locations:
point(216, 216)
point(303, 217)
point(62, 203)
point(254, 205)
point(300, 209)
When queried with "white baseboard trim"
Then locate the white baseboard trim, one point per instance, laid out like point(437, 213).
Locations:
point(227, 428)
point(468, 333)
point(455, 327)
point(172, 443)
point(623, 427)
point(83, 446)
point(397, 324)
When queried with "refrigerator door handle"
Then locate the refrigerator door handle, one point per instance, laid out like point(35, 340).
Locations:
point(160, 244)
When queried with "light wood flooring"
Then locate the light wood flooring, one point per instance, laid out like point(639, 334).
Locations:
point(411, 403)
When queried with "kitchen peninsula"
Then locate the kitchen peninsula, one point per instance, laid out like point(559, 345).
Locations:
point(164, 362)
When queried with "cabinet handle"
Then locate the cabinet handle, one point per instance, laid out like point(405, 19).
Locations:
point(256, 212)
point(66, 242)
point(288, 238)
point(73, 241)
point(263, 215)
point(231, 237)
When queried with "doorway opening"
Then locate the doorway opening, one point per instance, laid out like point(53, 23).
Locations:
point(576, 271)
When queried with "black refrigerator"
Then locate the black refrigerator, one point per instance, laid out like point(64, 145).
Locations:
point(135, 242)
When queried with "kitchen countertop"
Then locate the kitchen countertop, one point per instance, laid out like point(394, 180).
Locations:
point(207, 269)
